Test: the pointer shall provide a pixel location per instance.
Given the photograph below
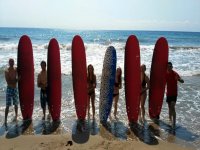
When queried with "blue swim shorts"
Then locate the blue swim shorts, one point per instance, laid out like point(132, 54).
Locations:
point(11, 95)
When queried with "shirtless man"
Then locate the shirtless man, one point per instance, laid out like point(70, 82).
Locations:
point(11, 92)
point(42, 83)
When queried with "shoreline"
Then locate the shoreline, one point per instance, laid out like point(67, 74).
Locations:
point(23, 137)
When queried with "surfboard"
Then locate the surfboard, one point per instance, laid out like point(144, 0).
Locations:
point(25, 68)
point(107, 84)
point(54, 79)
point(158, 77)
point(132, 76)
point(79, 76)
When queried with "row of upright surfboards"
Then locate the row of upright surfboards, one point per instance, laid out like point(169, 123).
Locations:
point(132, 76)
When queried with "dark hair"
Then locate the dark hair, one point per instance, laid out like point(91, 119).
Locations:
point(43, 62)
point(90, 76)
point(120, 75)
point(169, 63)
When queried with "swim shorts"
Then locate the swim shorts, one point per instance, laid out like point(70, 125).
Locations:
point(11, 94)
point(171, 98)
point(43, 98)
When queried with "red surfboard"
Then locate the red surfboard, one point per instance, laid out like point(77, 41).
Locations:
point(79, 76)
point(25, 68)
point(132, 76)
point(158, 77)
point(54, 79)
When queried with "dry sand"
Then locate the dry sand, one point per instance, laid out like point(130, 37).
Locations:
point(97, 142)
point(18, 139)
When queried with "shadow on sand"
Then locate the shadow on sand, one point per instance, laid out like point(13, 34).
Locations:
point(94, 129)
point(116, 128)
point(80, 131)
point(2, 130)
point(24, 127)
point(143, 133)
point(179, 132)
point(47, 127)
point(119, 130)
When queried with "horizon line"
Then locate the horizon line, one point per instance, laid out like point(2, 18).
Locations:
point(148, 30)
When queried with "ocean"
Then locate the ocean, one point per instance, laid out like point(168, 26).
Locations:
point(184, 53)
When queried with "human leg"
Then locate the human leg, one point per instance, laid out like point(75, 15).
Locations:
point(15, 103)
point(6, 115)
point(173, 112)
point(8, 103)
point(43, 104)
point(143, 98)
point(88, 105)
point(16, 112)
point(116, 98)
point(93, 104)
point(169, 107)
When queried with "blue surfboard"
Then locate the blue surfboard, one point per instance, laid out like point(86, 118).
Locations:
point(107, 84)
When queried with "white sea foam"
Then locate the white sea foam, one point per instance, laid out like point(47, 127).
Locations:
point(186, 63)
point(185, 59)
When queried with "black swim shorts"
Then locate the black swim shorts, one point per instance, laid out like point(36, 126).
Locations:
point(171, 98)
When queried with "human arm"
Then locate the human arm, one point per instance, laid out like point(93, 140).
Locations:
point(181, 80)
point(6, 76)
point(120, 84)
point(17, 76)
point(11, 76)
point(39, 83)
point(38, 80)
point(148, 85)
point(95, 82)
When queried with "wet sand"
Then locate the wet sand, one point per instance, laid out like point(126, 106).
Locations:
point(59, 142)
point(48, 136)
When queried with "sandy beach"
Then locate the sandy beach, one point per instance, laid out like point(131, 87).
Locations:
point(22, 137)
point(59, 142)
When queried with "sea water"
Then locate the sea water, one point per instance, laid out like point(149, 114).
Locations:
point(184, 53)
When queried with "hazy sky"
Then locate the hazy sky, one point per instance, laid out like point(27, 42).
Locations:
point(181, 15)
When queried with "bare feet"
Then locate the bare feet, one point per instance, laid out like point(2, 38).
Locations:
point(116, 118)
point(49, 117)
point(173, 126)
point(14, 119)
point(110, 117)
point(88, 115)
point(6, 126)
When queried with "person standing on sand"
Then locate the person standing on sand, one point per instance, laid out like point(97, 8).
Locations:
point(117, 86)
point(11, 92)
point(172, 91)
point(91, 85)
point(42, 83)
point(145, 84)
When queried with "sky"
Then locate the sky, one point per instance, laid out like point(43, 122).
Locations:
point(165, 15)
